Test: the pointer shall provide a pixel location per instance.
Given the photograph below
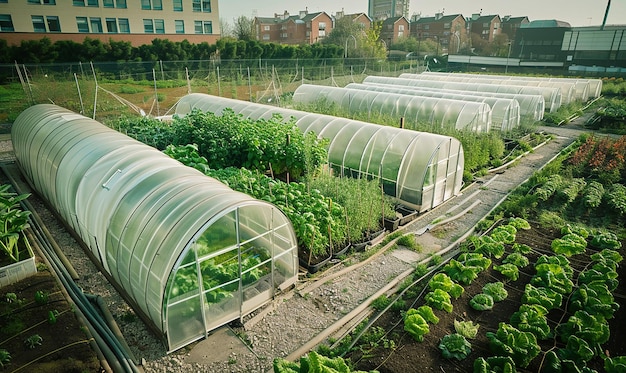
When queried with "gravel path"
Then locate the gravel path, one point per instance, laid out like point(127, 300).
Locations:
point(296, 317)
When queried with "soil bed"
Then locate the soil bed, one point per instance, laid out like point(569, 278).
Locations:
point(411, 356)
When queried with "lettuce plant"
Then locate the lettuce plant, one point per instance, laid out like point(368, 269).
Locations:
point(545, 297)
point(496, 290)
point(521, 346)
point(517, 259)
point(416, 325)
point(444, 282)
point(494, 364)
point(532, 318)
point(481, 302)
point(455, 346)
point(439, 299)
point(466, 328)
point(508, 270)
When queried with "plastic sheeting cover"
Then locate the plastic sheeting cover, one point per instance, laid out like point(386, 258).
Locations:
point(552, 96)
point(420, 169)
point(441, 112)
point(150, 221)
point(505, 112)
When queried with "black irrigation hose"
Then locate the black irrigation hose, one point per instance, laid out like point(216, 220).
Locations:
point(116, 353)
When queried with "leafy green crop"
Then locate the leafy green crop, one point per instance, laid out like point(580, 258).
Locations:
point(532, 318)
point(516, 259)
point(615, 364)
point(592, 194)
point(605, 240)
point(416, 325)
point(554, 277)
point(570, 244)
point(481, 302)
point(439, 299)
point(496, 290)
point(550, 187)
point(521, 346)
point(494, 364)
point(592, 329)
point(426, 312)
point(313, 362)
point(542, 296)
point(444, 282)
point(455, 346)
point(595, 298)
point(466, 328)
point(466, 267)
point(509, 270)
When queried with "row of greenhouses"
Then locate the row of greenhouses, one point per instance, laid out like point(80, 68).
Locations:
point(441, 113)
point(505, 112)
point(584, 89)
point(189, 253)
point(552, 96)
point(421, 170)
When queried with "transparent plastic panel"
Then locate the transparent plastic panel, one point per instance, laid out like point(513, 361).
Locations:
point(372, 159)
point(552, 96)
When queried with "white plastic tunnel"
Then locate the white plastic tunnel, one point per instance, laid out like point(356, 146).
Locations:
point(421, 170)
point(505, 112)
point(552, 96)
point(189, 253)
point(584, 89)
point(439, 112)
point(531, 107)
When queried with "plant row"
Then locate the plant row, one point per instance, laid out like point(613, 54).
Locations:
point(322, 224)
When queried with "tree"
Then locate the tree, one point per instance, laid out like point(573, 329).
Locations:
point(244, 28)
point(354, 40)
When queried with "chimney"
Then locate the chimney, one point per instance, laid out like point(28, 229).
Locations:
point(303, 13)
point(285, 15)
point(506, 18)
point(475, 16)
point(438, 16)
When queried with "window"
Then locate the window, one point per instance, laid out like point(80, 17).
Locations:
point(95, 3)
point(107, 3)
point(180, 26)
point(159, 26)
point(111, 25)
point(446, 25)
point(485, 24)
point(4, 1)
point(38, 24)
point(82, 24)
point(266, 37)
point(322, 26)
point(124, 26)
point(6, 23)
point(96, 25)
point(203, 27)
point(148, 26)
point(266, 28)
point(178, 5)
point(426, 27)
point(201, 6)
point(41, 2)
point(79, 2)
point(53, 24)
point(283, 35)
point(120, 4)
point(152, 4)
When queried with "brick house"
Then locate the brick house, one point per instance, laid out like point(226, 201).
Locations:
point(393, 29)
point(304, 28)
point(448, 30)
point(487, 27)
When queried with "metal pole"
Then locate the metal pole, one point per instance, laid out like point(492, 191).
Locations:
point(506, 69)
point(80, 97)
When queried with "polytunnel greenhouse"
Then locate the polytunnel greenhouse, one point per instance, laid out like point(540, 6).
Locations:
point(421, 170)
point(189, 253)
point(584, 89)
point(505, 112)
point(531, 107)
point(440, 112)
point(552, 96)
point(566, 89)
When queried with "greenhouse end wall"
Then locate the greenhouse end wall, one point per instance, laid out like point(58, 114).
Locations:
point(421, 170)
point(189, 253)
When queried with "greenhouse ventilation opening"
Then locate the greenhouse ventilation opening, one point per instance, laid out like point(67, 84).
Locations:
point(421, 170)
point(189, 253)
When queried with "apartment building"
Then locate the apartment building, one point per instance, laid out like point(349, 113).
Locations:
point(136, 21)
point(304, 28)
point(447, 30)
point(383, 9)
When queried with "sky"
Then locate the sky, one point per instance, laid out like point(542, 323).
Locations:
point(575, 12)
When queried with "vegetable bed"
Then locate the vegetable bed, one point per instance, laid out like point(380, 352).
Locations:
point(566, 333)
